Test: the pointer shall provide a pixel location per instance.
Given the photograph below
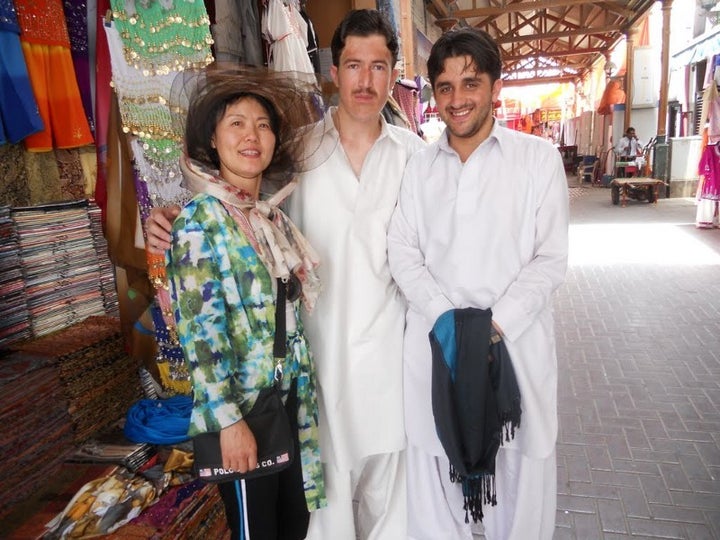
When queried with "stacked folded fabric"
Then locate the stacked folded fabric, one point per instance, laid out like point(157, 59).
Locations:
point(99, 379)
point(60, 265)
point(105, 267)
point(14, 315)
point(36, 427)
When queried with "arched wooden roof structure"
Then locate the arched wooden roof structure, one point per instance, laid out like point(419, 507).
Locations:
point(546, 41)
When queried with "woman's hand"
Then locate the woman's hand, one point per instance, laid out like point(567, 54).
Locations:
point(158, 227)
point(238, 447)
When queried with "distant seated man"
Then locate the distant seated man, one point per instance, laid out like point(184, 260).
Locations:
point(630, 149)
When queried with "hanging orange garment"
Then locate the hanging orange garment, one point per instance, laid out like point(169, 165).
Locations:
point(46, 47)
point(613, 94)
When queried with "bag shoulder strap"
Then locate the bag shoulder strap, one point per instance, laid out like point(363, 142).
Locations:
point(280, 344)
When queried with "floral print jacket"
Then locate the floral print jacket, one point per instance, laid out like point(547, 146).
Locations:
point(224, 307)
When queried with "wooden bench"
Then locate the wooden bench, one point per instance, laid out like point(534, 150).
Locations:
point(640, 188)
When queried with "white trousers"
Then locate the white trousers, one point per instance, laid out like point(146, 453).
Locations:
point(378, 487)
point(526, 494)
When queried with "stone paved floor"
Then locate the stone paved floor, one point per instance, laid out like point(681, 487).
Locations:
point(638, 328)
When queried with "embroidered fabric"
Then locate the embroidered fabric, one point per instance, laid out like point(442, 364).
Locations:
point(160, 37)
point(142, 98)
point(14, 185)
point(72, 176)
point(162, 178)
point(43, 22)
point(76, 18)
point(174, 376)
point(8, 17)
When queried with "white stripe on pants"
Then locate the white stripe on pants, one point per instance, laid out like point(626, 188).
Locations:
point(526, 493)
point(378, 485)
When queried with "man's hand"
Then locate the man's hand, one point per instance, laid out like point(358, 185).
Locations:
point(158, 227)
point(238, 447)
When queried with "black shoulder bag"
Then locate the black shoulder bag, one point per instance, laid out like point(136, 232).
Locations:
point(267, 420)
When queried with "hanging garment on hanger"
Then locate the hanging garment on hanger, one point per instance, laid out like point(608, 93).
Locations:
point(407, 98)
point(19, 115)
point(709, 168)
point(77, 23)
point(286, 32)
point(46, 47)
point(245, 46)
point(312, 47)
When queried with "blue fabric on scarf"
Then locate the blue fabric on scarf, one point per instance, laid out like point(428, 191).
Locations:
point(159, 421)
point(444, 331)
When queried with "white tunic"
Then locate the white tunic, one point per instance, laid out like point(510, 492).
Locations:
point(355, 331)
point(490, 233)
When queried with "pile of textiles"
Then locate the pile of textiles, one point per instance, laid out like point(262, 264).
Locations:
point(105, 266)
point(37, 430)
point(194, 510)
point(99, 379)
point(159, 501)
point(113, 447)
point(14, 316)
point(61, 266)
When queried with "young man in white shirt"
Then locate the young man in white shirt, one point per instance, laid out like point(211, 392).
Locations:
point(343, 207)
point(481, 222)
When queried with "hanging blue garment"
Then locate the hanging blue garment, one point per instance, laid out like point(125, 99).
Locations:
point(19, 114)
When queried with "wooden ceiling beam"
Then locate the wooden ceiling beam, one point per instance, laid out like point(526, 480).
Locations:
point(541, 80)
point(555, 54)
point(523, 6)
point(565, 33)
point(441, 8)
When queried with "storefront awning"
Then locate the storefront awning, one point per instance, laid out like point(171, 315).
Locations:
point(700, 48)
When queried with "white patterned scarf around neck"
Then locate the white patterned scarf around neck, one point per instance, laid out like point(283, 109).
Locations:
point(281, 246)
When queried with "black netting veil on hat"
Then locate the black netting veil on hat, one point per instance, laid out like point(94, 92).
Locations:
point(295, 97)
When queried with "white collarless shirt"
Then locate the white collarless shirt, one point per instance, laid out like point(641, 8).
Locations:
point(488, 233)
point(356, 330)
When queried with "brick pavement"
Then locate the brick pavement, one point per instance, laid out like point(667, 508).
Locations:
point(638, 328)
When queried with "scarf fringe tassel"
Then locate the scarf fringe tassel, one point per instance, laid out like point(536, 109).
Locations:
point(510, 420)
point(479, 489)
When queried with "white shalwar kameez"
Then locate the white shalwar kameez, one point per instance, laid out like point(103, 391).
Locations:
point(355, 334)
point(487, 233)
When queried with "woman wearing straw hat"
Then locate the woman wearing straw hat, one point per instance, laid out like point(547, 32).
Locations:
point(229, 247)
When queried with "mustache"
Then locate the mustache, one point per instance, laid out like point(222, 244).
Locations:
point(365, 91)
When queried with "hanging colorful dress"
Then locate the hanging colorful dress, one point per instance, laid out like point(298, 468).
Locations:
point(77, 24)
point(46, 47)
point(19, 115)
point(286, 31)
